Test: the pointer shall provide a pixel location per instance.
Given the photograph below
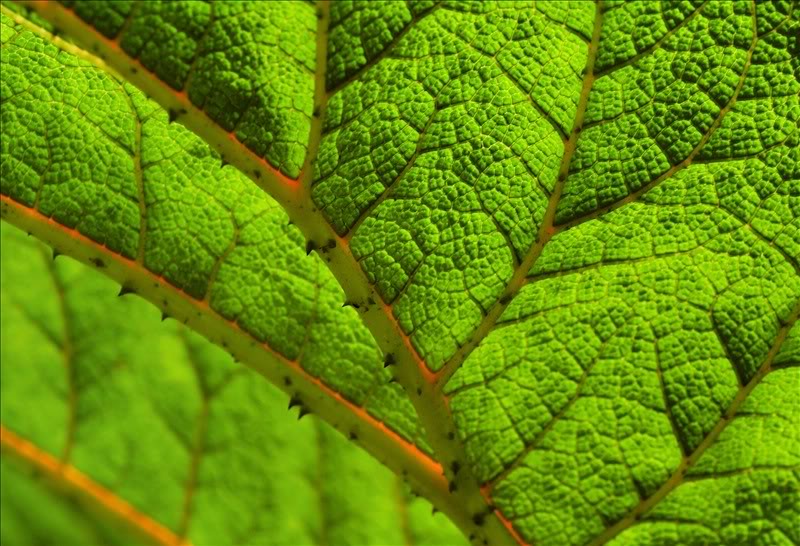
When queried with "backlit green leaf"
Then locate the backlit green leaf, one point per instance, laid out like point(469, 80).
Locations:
point(572, 228)
point(165, 421)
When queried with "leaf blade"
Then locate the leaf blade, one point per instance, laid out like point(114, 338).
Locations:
point(147, 389)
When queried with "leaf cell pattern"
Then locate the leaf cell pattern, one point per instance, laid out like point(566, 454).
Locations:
point(584, 218)
point(100, 158)
point(123, 382)
point(668, 271)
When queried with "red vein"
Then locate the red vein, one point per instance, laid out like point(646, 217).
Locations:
point(486, 492)
point(73, 479)
point(226, 142)
point(236, 339)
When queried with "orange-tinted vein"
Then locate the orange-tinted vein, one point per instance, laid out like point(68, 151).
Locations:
point(288, 374)
point(71, 478)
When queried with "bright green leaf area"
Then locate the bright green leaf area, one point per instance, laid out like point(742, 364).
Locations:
point(169, 423)
point(635, 330)
point(603, 198)
point(439, 161)
point(97, 156)
point(249, 65)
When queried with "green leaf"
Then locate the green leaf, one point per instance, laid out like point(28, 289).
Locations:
point(216, 262)
point(154, 416)
point(572, 227)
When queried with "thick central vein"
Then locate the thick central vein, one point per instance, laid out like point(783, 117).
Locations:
point(399, 454)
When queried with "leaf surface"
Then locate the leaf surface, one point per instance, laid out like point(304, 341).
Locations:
point(247, 65)
point(574, 227)
point(158, 418)
point(229, 265)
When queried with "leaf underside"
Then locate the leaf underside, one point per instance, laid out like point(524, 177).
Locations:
point(197, 429)
point(582, 220)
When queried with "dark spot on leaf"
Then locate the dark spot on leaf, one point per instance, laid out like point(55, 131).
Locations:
point(353, 436)
point(98, 263)
point(452, 487)
point(455, 466)
point(310, 246)
point(478, 519)
point(388, 360)
point(257, 173)
point(134, 70)
point(287, 381)
point(125, 290)
point(419, 391)
point(506, 299)
point(317, 111)
point(451, 436)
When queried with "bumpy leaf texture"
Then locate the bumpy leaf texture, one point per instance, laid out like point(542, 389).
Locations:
point(573, 228)
point(112, 406)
